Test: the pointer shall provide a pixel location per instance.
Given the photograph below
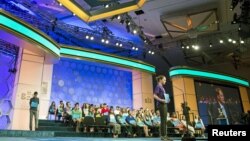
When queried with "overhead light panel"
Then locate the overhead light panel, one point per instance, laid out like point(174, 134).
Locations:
point(105, 12)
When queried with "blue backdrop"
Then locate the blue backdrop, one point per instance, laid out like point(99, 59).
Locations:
point(7, 62)
point(91, 82)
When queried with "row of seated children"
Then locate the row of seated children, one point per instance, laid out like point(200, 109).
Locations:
point(144, 118)
point(116, 117)
point(183, 126)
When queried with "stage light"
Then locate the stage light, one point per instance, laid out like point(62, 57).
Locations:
point(221, 41)
point(106, 6)
point(107, 41)
point(239, 28)
point(210, 45)
point(120, 45)
point(230, 40)
point(103, 40)
point(92, 38)
point(127, 28)
point(122, 21)
point(87, 36)
point(196, 47)
point(235, 19)
point(242, 42)
point(187, 47)
point(234, 42)
point(134, 31)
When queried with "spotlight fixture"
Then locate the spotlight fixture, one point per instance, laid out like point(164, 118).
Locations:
point(106, 6)
point(130, 25)
point(134, 31)
point(235, 19)
point(128, 28)
point(151, 52)
point(182, 46)
point(196, 47)
point(134, 48)
point(89, 37)
point(210, 45)
point(118, 44)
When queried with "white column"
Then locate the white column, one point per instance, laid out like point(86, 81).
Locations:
point(33, 75)
point(142, 90)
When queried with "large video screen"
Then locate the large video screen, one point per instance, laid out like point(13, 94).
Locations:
point(218, 104)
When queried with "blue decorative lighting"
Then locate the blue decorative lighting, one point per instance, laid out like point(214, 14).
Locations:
point(211, 75)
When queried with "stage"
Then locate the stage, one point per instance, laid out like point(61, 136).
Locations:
point(86, 139)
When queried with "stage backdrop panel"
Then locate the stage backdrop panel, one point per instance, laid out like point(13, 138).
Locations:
point(206, 99)
point(91, 82)
point(7, 62)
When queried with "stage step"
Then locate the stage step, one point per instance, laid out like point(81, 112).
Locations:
point(81, 134)
point(61, 129)
point(22, 133)
point(19, 133)
point(60, 124)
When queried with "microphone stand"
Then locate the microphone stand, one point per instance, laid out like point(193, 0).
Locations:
point(187, 135)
